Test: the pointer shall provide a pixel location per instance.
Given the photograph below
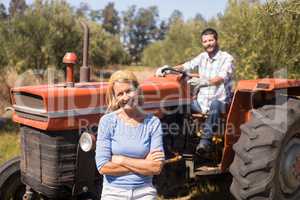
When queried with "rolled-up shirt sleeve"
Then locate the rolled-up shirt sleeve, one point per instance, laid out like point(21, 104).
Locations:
point(156, 136)
point(103, 144)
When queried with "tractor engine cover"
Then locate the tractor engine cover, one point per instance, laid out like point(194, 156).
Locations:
point(48, 161)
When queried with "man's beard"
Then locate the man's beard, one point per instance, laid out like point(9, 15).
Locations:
point(215, 48)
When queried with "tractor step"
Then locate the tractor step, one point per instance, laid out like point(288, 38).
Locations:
point(207, 170)
point(199, 115)
point(200, 171)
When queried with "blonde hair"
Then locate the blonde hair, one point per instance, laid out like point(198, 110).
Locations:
point(122, 76)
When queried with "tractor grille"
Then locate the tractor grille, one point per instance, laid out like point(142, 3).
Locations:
point(28, 100)
point(29, 106)
point(48, 161)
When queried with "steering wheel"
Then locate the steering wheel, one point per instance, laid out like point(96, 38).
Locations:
point(176, 71)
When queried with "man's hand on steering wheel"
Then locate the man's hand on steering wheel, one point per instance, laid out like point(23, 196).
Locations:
point(160, 72)
point(166, 69)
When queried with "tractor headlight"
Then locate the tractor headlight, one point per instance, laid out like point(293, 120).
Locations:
point(87, 141)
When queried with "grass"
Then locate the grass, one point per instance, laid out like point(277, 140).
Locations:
point(204, 188)
point(9, 141)
point(9, 145)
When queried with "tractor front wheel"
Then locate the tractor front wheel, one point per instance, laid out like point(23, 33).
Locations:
point(11, 186)
point(267, 155)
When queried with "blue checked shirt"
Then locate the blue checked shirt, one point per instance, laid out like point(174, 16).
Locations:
point(221, 65)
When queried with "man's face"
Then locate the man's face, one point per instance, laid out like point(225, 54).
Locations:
point(209, 43)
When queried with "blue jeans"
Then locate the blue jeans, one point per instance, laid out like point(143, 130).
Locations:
point(213, 121)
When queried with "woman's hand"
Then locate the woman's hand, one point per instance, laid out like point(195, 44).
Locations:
point(156, 155)
point(151, 165)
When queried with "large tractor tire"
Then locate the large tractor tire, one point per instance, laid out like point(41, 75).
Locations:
point(11, 187)
point(267, 155)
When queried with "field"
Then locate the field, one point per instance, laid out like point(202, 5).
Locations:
point(9, 142)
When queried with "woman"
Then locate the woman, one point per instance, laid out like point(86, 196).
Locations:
point(129, 149)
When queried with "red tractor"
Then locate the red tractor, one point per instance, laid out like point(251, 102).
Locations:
point(259, 144)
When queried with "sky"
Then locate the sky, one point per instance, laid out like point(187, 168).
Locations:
point(189, 8)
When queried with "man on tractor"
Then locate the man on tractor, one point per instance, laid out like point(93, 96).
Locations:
point(213, 81)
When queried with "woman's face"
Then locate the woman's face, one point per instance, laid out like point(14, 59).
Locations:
point(126, 95)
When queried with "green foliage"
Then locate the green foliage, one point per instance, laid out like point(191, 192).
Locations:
point(176, 15)
point(82, 10)
point(3, 56)
point(46, 31)
point(106, 49)
point(40, 37)
point(140, 29)
point(181, 43)
point(263, 38)
point(9, 145)
point(239, 35)
point(3, 14)
point(281, 22)
point(17, 7)
point(110, 19)
point(95, 15)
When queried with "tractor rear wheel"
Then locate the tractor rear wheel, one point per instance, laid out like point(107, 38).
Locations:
point(267, 155)
point(11, 186)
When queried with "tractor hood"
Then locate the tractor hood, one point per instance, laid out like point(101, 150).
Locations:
point(58, 107)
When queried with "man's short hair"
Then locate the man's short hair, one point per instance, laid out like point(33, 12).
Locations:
point(210, 31)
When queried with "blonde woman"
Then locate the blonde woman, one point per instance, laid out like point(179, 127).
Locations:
point(129, 149)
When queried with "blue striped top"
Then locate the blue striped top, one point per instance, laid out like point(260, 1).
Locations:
point(116, 137)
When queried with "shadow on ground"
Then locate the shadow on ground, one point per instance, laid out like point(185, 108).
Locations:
point(173, 184)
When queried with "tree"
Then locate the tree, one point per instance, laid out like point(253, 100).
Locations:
point(3, 55)
point(175, 16)
point(83, 9)
point(106, 49)
point(128, 23)
point(48, 30)
point(140, 29)
point(110, 19)
point(264, 38)
point(95, 15)
point(3, 14)
point(198, 17)
point(181, 43)
point(17, 7)
point(162, 30)
point(41, 36)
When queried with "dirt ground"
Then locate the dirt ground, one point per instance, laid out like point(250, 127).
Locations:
point(141, 72)
point(142, 75)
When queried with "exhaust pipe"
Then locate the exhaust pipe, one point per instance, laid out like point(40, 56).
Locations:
point(85, 69)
